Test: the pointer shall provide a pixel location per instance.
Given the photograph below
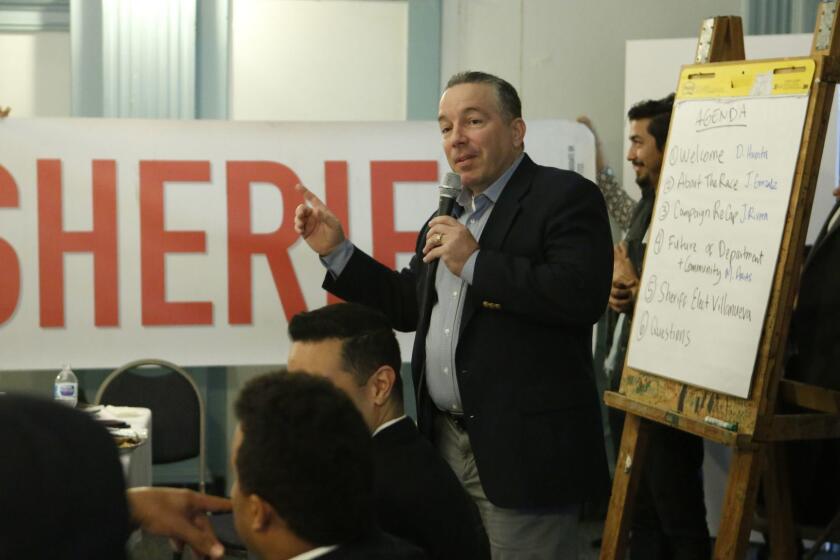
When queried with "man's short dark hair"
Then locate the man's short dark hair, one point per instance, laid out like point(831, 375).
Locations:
point(659, 113)
point(368, 341)
point(509, 103)
point(307, 451)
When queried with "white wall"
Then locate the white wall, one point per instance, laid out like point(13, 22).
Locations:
point(35, 73)
point(34, 82)
point(315, 61)
point(652, 81)
point(318, 61)
point(566, 57)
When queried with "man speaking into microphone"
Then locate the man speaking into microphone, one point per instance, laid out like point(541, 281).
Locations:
point(502, 362)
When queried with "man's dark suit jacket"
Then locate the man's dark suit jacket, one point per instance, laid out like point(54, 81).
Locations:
point(419, 498)
point(379, 546)
point(815, 326)
point(524, 355)
point(815, 340)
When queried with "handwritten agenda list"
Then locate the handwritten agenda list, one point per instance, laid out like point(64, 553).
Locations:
point(714, 239)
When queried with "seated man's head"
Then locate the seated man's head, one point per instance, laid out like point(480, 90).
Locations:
point(302, 459)
point(62, 492)
point(355, 347)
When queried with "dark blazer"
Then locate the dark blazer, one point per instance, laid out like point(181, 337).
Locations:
point(815, 326)
point(524, 355)
point(814, 345)
point(419, 498)
point(380, 546)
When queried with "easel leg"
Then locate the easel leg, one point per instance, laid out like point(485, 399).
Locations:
point(628, 471)
point(738, 505)
point(777, 494)
point(832, 529)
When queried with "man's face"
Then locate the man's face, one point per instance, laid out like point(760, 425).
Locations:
point(643, 154)
point(323, 358)
point(479, 142)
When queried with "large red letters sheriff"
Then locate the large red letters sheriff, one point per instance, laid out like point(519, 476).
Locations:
point(156, 242)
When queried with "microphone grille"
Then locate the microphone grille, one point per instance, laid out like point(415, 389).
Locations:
point(452, 180)
point(451, 185)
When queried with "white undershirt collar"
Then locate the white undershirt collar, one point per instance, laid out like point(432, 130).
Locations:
point(386, 424)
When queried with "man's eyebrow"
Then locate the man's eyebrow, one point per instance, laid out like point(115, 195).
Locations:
point(464, 112)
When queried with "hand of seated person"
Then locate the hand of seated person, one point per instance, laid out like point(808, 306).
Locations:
point(178, 514)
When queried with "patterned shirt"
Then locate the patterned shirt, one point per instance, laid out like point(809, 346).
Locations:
point(620, 205)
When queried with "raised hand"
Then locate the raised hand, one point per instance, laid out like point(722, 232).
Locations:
point(316, 224)
point(600, 159)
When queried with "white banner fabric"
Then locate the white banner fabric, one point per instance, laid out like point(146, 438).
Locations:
point(126, 239)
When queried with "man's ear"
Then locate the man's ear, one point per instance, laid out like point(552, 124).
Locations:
point(261, 513)
point(382, 381)
point(518, 131)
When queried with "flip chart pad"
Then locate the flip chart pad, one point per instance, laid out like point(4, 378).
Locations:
point(723, 195)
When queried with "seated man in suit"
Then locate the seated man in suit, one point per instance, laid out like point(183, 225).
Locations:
point(418, 497)
point(302, 455)
point(304, 474)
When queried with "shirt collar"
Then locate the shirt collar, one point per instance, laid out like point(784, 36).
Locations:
point(494, 190)
point(386, 424)
point(314, 553)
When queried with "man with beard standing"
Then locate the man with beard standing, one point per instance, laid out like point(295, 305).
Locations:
point(670, 513)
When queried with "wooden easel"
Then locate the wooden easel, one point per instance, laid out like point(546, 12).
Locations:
point(761, 428)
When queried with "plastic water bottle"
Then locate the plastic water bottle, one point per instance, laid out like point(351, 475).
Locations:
point(66, 388)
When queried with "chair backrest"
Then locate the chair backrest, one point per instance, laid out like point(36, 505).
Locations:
point(176, 405)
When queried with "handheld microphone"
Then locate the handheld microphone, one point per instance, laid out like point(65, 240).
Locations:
point(448, 190)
